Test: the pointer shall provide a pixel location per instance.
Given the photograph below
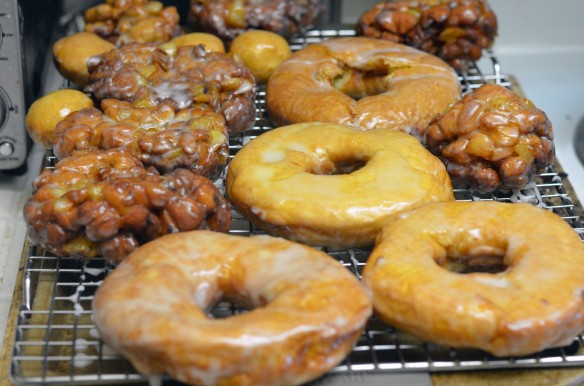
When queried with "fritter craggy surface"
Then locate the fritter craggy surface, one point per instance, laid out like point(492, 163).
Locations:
point(492, 139)
point(107, 203)
point(455, 30)
point(194, 138)
point(182, 77)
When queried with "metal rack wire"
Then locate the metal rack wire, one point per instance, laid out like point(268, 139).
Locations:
point(57, 342)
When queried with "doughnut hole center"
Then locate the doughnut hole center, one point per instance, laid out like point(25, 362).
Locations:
point(338, 166)
point(225, 308)
point(360, 83)
point(478, 259)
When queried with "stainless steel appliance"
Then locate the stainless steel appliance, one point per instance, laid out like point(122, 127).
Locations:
point(25, 33)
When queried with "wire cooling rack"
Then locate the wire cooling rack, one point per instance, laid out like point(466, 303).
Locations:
point(56, 340)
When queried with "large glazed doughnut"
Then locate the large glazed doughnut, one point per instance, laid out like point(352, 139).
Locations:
point(369, 83)
point(107, 203)
point(332, 185)
point(505, 278)
point(180, 76)
point(153, 309)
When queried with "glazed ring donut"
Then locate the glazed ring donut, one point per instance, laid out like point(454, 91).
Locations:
point(180, 76)
point(153, 309)
point(332, 185)
point(505, 278)
point(194, 139)
point(230, 18)
point(364, 82)
point(107, 203)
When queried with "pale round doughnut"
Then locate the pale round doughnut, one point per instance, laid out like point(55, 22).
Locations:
point(152, 309)
point(505, 278)
point(326, 184)
point(261, 51)
point(72, 52)
point(46, 112)
point(365, 82)
point(211, 42)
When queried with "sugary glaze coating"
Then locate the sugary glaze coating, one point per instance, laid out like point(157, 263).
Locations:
point(261, 51)
point(46, 112)
point(230, 18)
point(211, 42)
point(153, 309)
point(492, 139)
point(72, 52)
point(148, 74)
point(369, 83)
point(455, 30)
point(107, 203)
point(128, 21)
point(429, 273)
point(332, 185)
point(194, 138)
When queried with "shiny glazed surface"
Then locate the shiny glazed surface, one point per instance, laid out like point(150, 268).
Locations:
point(46, 112)
point(72, 52)
point(333, 185)
point(533, 304)
point(363, 82)
point(152, 309)
point(492, 139)
point(455, 30)
point(107, 203)
point(193, 138)
point(181, 76)
point(230, 18)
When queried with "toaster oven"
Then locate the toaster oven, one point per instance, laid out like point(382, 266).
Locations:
point(25, 33)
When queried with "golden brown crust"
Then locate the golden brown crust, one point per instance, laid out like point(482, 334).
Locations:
point(327, 184)
point(46, 112)
point(230, 18)
point(261, 51)
point(133, 21)
point(211, 42)
point(182, 77)
point(72, 52)
point(368, 83)
point(455, 30)
point(492, 139)
point(534, 303)
point(107, 203)
point(152, 309)
point(194, 139)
